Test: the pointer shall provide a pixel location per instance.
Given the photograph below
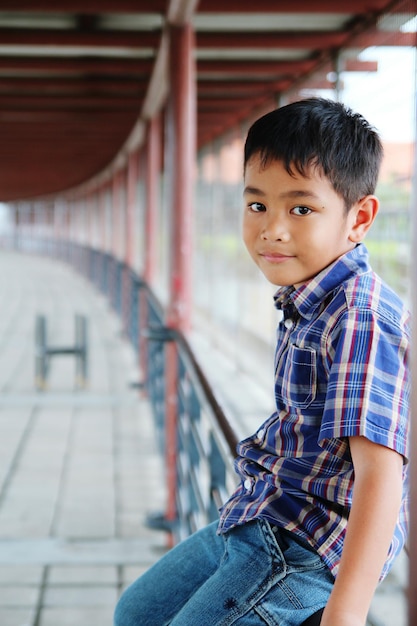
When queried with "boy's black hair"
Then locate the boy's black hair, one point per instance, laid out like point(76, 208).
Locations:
point(320, 133)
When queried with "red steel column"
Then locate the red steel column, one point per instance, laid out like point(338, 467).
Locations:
point(115, 218)
point(115, 232)
point(66, 230)
point(102, 214)
point(182, 156)
point(182, 125)
point(16, 225)
point(131, 182)
point(153, 166)
point(132, 178)
point(69, 220)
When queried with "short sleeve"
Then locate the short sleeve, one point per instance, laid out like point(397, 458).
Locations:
point(368, 386)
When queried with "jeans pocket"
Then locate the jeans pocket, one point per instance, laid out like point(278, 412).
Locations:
point(295, 597)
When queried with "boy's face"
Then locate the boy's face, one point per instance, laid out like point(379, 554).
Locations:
point(293, 226)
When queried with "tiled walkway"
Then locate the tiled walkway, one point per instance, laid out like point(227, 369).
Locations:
point(78, 469)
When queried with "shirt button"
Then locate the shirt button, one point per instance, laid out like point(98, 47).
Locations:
point(288, 323)
point(261, 433)
point(247, 484)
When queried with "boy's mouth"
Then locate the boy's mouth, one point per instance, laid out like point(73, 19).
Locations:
point(276, 257)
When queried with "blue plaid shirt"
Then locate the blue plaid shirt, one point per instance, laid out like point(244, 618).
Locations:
point(340, 371)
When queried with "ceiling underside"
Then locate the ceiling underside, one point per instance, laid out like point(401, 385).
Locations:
point(75, 76)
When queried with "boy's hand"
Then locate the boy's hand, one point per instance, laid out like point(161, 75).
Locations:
point(375, 505)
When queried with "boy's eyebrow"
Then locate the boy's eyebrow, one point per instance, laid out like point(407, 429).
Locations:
point(295, 193)
point(254, 191)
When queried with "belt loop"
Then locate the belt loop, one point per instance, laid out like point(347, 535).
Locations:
point(280, 539)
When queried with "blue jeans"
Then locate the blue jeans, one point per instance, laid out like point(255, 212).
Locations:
point(251, 576)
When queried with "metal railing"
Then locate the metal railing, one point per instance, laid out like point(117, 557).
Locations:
point(205, 442)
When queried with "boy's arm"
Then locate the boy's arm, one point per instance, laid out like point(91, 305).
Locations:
point(375, 506)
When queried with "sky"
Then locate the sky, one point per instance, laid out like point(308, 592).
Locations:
point(386, 98)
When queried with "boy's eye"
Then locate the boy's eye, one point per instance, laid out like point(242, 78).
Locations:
point(256, 207)
point(301, 210)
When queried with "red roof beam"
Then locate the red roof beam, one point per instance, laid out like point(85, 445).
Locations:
point(97, 38)
point(383, 38)
point(296, 6)
point(207, 87)
point(78, 64)
point(303, 40)
point(258, 68)
point(49, 103)
point(271, 40)
point(92, 7)
point(355, 65)
point(69, 86)
point(58, 118)
point(222, 104)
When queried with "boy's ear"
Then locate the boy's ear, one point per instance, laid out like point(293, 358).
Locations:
point(363, 214)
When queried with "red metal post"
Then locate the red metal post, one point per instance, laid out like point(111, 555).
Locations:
point(79, 222)
point(182, 131)
point(66, 232)
point(102, 214)
point(57, 215)
point(132, 179)
point(16, 225)
point(132, 175)
point(94, 219)
point(171, 447)
point(153, 166)
point(181, 121)
point(72, 215)
point(66, 224)
point(115, 216)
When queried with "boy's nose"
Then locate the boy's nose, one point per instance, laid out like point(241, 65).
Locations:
point(275, 230)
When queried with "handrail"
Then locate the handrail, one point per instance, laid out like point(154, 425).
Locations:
point(205, 441)
point(222, 421)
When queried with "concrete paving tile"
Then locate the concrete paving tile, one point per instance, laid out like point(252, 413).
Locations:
point(54, 551)
point(18, 617)
point(86, 526)
point(88, 478)
point(18, 596)
point(24, 521)
point(12, 431)
point(131, 573)
point(20, 575)
point(82, 616)
point(70, 575)
point(78, 596)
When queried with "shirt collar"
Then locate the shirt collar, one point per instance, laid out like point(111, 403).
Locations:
point(308, 297)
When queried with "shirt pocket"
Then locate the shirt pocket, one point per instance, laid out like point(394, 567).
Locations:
point(299, 378)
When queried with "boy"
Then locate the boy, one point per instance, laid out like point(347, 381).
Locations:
point(320, 511)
